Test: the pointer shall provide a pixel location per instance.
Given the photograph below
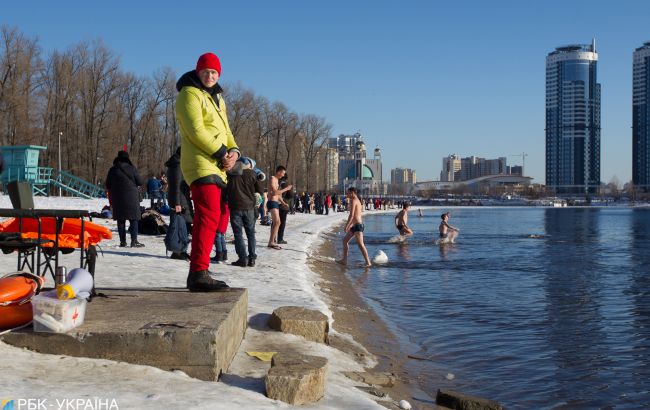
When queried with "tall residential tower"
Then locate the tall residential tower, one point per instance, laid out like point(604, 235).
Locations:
point(573, 120)
point(640, 117)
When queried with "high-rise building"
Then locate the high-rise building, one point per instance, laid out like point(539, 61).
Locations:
point(455, 168)
point(450, 166)
point(402, 176)
point(516, 170)
point(573, 120)
point(640, 117)
point(331, 161)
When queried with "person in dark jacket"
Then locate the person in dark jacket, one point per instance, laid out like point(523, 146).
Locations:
point(178, 196)
point(154, 190)
point(122, 184)
point(243, 183)
point(284, 209)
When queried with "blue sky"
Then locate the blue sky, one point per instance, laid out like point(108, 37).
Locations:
point(419, 79)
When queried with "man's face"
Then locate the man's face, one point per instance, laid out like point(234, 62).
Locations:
point(280, 173)
point(209, 77)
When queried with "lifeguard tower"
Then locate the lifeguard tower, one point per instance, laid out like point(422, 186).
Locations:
point(21, 164)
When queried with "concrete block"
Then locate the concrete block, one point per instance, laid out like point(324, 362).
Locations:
point(198, 333)
point(310, 324)
point(296, 378)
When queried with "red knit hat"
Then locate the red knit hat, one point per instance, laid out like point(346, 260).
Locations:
point(208, 60)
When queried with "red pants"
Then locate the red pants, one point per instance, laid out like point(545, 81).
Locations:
point(224, 218)
point(207, 215)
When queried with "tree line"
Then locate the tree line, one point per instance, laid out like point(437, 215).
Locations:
point(83, 98)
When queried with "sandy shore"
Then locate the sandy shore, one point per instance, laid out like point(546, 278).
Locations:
point(353, 316)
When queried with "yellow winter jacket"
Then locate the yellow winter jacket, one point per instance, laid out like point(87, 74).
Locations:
point(204, 129)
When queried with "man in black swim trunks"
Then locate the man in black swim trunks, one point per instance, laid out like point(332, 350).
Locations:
point(401, 220)
point(447, 231)
point(354, 228)
point(273, 203)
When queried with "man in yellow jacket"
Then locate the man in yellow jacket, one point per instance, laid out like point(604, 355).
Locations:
point(208, 151)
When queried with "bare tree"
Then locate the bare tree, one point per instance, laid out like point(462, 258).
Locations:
point(82, 96)
point(98, 84)
point(20, 65)
point(242, 109)
point(316, 133)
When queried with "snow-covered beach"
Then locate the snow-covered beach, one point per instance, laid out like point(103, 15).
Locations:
point(281, 278)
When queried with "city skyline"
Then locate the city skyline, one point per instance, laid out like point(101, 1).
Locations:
point(420, 80)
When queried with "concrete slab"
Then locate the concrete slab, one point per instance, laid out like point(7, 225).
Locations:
point(198, 333)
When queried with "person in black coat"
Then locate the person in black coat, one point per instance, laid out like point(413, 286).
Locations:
point(122, 184)
point(178, 196)
point(285, 208)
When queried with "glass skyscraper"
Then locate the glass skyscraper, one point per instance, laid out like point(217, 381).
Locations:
point(640, 116)
point(573, 120)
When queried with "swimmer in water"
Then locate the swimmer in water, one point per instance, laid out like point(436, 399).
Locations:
point(447, 232)
point(401, 221)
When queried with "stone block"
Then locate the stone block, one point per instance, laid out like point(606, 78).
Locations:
point(198, 333)
point(296, 379)
point(459, 401)
point(310, 324)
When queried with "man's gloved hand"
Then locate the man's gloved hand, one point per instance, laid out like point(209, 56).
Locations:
point(220, 155)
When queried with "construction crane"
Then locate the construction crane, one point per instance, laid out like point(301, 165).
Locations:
point(523, 156)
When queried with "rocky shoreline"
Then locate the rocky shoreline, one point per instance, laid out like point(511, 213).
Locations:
point(351, 315)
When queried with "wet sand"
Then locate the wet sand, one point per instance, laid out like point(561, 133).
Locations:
point(353, 316)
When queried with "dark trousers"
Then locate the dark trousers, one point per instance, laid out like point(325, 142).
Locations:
point(133, 230)
point(283, 222)
point(243, 219)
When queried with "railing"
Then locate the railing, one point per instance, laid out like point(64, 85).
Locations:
point(35, 175)
point(75, 185)
point(41, 177)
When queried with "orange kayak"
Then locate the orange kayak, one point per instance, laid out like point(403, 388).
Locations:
point(16, 291)
point(69, 235)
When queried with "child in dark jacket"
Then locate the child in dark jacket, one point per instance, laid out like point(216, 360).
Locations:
point(243, 183)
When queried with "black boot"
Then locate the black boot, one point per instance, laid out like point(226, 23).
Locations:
point(224, 255)
point(242, 262)
point(251, 262)
point(123, 244)
point(136, 244)
point(201, 281)
point(180, 256)
point(216, 258)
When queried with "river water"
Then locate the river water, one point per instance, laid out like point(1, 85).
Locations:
point(532, 307)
